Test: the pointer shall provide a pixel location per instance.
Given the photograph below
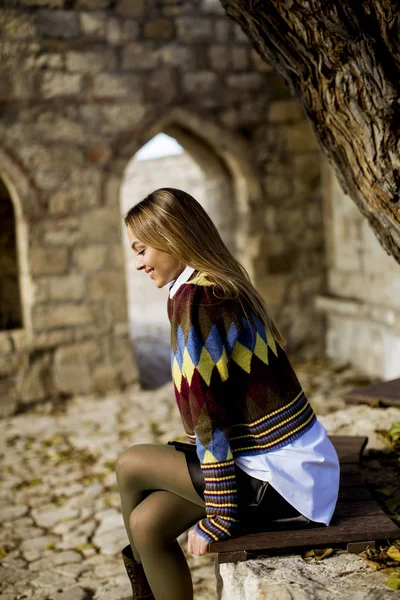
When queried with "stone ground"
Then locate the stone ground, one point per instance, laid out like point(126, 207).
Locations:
point(62, 530)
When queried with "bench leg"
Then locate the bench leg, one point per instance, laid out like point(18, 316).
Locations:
point(358, 547)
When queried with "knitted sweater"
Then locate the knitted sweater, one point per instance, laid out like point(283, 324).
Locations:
point(236, 392)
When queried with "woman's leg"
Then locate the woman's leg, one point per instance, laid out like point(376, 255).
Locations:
point(155, 524)
point(144, 468)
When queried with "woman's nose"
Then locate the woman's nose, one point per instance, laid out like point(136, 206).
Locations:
point(139, 263)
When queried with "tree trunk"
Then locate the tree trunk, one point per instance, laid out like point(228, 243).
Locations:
point(341, 59)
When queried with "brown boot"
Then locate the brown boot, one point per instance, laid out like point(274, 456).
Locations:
point(140, 587)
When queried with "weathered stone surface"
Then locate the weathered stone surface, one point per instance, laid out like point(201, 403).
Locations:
point(139, 56)
point(118, 31)
point(126, 8)
point(193, 30)
point(90, 62)
point(90, 258)
point(59, 23)
point(10, 513)
point(158, 29)
point(48, 518)
point(61, 315)
point(71, 370)
point(48, 262)
point(68, 287)
point(60, 84)
point(93, 24)
point(201, 83)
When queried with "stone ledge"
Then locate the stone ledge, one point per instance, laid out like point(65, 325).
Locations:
point(358, 310)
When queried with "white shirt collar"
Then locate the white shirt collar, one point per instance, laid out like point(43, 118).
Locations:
point(176, 283)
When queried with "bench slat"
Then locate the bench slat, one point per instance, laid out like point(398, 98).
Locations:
point(386, 392)
point(343, 529)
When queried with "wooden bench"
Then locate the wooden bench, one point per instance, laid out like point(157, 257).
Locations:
point(385, 392)
point(358, 521)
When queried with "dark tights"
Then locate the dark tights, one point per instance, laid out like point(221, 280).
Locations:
point(159, 503)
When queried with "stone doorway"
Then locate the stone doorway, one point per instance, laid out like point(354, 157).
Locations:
point(191, 167)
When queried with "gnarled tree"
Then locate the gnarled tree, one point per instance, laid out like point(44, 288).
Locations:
point(341, 59)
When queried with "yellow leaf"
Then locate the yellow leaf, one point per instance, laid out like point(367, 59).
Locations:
point(394, 553)
point(374, 566)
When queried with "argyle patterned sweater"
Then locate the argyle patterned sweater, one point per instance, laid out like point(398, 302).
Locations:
point(236, 392)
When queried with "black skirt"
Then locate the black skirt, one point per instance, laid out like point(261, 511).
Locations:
point(261, 507)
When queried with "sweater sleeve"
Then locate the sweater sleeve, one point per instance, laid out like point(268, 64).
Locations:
point(211, 330)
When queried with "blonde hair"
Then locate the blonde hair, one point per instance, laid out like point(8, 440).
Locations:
point(172, 221)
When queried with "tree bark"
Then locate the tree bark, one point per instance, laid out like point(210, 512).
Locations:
point(341, 59)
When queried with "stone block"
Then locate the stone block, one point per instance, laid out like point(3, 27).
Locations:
point(9, 399)
point(115, 258)
point(60, 84)
point(192, 29)
point(106, 379)
point(105, 284)
point(53, 339)
point(200, 83)
point(44, 3)
point(127, 8)
point(90, 258)
point(5, 343)
point(71, 370)
point(36, 381)
point(246, 81)
point(220, 57)
point(178, 56)
point(281, 111)
point(93, 24)
point(101, 225)
point(212, 6)
point(52, 126)
point(106, 85)
point(158, 29)
point(48, 262)
point(52, 316)
point(162, 86)
point(68, 287)
point(90, 62)
point(9, 364)
point(139, 56)
point(17, 25)
point(62, 24)
point(240, 58)
point(223, 30)
point(119, 31)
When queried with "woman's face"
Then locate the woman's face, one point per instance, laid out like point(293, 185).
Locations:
point(160, 266)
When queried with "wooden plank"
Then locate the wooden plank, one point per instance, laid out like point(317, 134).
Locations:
point(352, 494)
point(351, 480)
point(349, 449)
point(386, 392)
point(342, 530)
point(357, 508)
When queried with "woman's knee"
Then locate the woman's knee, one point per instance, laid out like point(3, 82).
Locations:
point(145, 529)
point(131, 463)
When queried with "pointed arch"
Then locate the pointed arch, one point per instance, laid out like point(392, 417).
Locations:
point(217, 151)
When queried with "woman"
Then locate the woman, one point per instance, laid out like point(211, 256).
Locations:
point(257, 457)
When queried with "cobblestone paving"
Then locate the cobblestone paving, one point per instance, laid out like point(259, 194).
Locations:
point(62, 530)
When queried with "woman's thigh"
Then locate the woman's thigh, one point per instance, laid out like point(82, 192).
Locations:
point(156, 467)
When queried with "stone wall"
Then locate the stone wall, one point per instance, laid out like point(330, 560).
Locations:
point(83, 89)
point(363, 300)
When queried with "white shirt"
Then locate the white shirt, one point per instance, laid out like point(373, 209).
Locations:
point(305, 472)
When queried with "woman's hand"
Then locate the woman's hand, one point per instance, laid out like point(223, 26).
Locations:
point(197, 544)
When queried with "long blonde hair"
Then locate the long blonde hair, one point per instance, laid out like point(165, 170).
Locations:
point(172, 221)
